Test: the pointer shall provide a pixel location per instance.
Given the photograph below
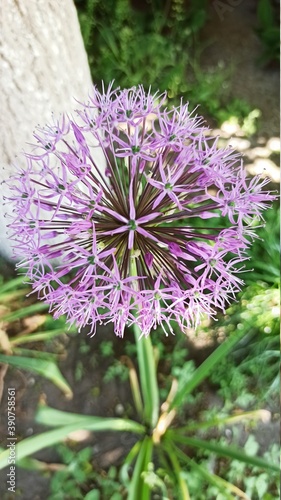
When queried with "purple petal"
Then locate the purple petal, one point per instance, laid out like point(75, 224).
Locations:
point(131, 240)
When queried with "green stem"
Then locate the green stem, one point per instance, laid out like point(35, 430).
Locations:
point(147, 370)
point(148, 378)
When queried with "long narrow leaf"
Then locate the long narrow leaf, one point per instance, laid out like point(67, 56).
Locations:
point(137, 489)
point(30, 463)
point(45, 368)
point(33, 444)
point(33, 354)
point(263, 415)
point(181, 483)
point(110, 41)
point(9, 297)
point(205, 368)
point(25, 311)
point(55, 418)
point(98, 423)
point(40, 336)
point(224, 486)
point(223, 450)
point(135, 484)
point(38, 465)
point(11, 285)
point(135, 388)
point(124, 475)
point(145, 495)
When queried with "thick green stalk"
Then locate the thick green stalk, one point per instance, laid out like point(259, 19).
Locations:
point(148, 378)
point(147, 371)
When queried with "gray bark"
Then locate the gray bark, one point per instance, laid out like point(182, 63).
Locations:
point(43, 67)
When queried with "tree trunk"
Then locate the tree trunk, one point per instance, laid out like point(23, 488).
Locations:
point(43, 66)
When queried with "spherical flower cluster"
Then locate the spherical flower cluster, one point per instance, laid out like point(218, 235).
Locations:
point(128, 239)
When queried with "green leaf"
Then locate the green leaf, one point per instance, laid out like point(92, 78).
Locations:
point(205, 368)
point(54, 418)
point(92, 495)
point(224, 486)
point(110, 41)
point(147, 459)
point(43, 367)
point(136, 393)
point(124, 475)
point(137, 485)
point(12, 285)
point(32, 353)
point(40, 336)
point(10, 297)
point(33, 444)
point(181, 483)
point(223, 450)
point(38, 465)
point(25, 311)
point(265, 14)
point(230, 420)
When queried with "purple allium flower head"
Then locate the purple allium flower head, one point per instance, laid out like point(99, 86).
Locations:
point(120, 244)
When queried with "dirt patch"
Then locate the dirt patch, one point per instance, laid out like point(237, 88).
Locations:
point(233, 42)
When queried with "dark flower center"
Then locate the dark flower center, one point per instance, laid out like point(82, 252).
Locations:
point(132, 224)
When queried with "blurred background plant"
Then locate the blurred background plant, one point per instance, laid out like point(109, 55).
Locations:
point(26, 331)
point(268, 13)
point(156, 43)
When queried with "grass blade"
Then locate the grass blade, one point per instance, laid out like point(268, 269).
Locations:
point(12, 285)
point(224, 486)
point(55, 418)
point(124, 475)
point(134, 383)
point(205, 368)
point(33, 444)
point(40, 336)
point(25, 311)
point(138, 489)
point(226, 451)
point(182, 485)
point(263, 415)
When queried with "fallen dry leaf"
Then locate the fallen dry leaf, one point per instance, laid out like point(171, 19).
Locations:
point(32, 323)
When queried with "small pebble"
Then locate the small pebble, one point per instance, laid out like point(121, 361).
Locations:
point(119, 409)
point(274, 144)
